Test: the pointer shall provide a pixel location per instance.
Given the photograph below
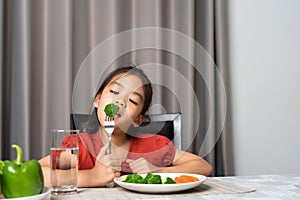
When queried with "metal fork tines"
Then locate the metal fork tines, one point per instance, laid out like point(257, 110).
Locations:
point(109, 125)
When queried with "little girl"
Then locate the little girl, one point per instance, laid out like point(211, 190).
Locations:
point(129, 89)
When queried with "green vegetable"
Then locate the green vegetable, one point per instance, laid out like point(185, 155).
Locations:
point(168, 180)
point(149, 179)
point(111, 110)
point(1, 166)
point(148, 176)
point(152, 179)
point(20, 179)
point(134, 178)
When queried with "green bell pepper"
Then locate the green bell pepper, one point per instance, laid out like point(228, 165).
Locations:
point(20, 179)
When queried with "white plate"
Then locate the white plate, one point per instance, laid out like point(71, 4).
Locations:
point(43, 195)
point(161, 188)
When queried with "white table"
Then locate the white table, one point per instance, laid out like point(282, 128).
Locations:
point(265, 187)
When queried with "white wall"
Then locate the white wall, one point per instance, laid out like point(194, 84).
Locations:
point(264, 39)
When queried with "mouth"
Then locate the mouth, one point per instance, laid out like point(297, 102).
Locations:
point(117, 116)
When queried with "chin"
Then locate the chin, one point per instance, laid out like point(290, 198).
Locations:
point(122, 128)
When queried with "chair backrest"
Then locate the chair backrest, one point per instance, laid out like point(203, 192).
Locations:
point(168, 125)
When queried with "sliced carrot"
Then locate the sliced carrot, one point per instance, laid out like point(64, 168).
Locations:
point(185, 179)
point(177, 180)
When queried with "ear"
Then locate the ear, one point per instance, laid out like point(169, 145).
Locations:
point(139, 120)
point(96, 101)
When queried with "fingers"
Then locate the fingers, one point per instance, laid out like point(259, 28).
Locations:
point(138, 166)
point(114, 174)
point(102, 152)
point(117, 174)
point(141, 165)
point(109, 160)
point(112, 163)
point(112, 184)
point(129, 161)
point(105, 173)
point(116, 152)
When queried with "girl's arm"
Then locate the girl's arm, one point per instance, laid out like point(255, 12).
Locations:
point(186, 162)
point(98, 176)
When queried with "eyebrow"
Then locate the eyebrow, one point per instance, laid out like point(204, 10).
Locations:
point(134, 92)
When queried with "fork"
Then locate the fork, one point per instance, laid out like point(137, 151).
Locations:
point(109, 126)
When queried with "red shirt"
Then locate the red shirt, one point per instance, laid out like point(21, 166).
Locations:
point(156, 149)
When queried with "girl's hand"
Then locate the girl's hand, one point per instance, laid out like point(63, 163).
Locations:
point(113, 160)
point(102, 175)
point(141, 166)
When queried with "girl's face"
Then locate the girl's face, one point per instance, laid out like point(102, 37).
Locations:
point(126, 91)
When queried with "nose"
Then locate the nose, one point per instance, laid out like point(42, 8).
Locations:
point(120, 102)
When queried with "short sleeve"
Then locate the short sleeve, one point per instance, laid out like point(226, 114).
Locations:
point(157, 149)
point(85, 159)
point(168, 151)
point(69, 141)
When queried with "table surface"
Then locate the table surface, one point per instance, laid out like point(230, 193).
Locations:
point(265, 187)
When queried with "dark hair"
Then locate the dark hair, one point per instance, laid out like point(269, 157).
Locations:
point(147, 88)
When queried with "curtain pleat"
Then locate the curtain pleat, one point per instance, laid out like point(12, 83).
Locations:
point(40, 78)
point(17, 77)
point(224, 146)
point(49, 46)
point(1, 73)
point(21, 75)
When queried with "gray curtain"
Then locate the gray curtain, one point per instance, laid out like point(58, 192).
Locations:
point(54, 53)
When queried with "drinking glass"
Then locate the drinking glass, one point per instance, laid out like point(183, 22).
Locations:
point(64, 161)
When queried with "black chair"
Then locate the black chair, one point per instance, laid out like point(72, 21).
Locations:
point(168, 125)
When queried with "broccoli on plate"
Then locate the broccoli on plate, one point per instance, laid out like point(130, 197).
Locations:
point(152, 179)
point(168, 180)
point(133, 178)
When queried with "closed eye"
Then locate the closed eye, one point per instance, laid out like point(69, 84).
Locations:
point(135, 103)
point(114, 92)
